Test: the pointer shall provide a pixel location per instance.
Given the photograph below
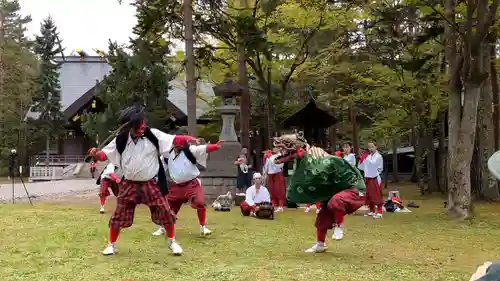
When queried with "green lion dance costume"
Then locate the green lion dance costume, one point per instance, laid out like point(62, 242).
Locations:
point(319, 176)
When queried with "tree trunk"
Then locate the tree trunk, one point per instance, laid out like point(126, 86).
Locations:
point(270, 108)
point(459, 193)
point(495, 94)
point(489, 189)
point(442, 153)
point(332, 134)
point(243, 81)
point(190, 68)
point(415, 174)
point(355, 137)
point(418, 147)
point(395, 170)
point(47, 151)
point(475, 171)
point(245, 96)
point(473, 54)
point(432, 174)
point(454, 85)
point(2, 67)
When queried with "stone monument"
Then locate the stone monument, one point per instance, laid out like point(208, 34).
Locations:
point(220, 175)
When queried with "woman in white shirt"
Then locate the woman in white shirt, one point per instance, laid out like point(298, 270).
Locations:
point(373, 166)
point(348, 155)
point(255, 194)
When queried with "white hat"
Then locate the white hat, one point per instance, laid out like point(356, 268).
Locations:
point(13, 151)
point(257, 175)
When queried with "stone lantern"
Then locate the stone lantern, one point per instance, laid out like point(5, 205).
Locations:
point(219, 176)
point(228, 108)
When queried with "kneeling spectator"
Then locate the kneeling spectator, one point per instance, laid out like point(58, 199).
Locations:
point(256, 194)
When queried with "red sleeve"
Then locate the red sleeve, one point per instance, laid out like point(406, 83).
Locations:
point(113, 176)
point(212, 147)
point(363, 158)
point(267, 155)
point(100, 156)
point(180, 140)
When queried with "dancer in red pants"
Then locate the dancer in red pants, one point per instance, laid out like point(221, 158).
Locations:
point(336, 183)
point(108, 180)
point(185, 185)
point(136, 151)
point(273, 172)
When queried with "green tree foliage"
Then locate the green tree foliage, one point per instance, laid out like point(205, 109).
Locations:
point(47, 98)
point(18, 69)
point(401, 66)
point(282, 38)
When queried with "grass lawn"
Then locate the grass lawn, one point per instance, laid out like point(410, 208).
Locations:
point(63, 242)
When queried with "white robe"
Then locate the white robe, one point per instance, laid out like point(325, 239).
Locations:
point(253, 197)
point(351, 158)
point(139, 161)
point(271, 168)
point(181, 169)
point(110, 169)
point(373, 166)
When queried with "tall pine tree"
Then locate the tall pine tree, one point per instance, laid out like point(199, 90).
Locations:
point(47, 99)
point(18, 70)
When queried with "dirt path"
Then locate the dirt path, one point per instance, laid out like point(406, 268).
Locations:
point(77, 190)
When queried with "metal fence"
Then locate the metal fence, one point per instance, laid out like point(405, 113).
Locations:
point(45, 173)
point(56, 160)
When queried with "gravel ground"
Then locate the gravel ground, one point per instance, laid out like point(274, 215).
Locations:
point(65, 190)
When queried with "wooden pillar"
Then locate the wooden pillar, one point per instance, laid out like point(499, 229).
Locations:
point(308, 133)
point(332, 136)
point(190, 67)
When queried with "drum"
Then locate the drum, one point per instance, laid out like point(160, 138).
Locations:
point(264, 210)
point(239, 198)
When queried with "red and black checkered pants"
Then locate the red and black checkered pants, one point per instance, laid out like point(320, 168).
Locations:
point(147, 193)
point(107, 184)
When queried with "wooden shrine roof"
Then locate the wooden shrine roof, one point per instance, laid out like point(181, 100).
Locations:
point(310, 116)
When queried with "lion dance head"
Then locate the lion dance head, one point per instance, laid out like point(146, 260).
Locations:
point(290, 142)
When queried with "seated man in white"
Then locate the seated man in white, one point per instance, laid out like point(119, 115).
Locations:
point(256, 194)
